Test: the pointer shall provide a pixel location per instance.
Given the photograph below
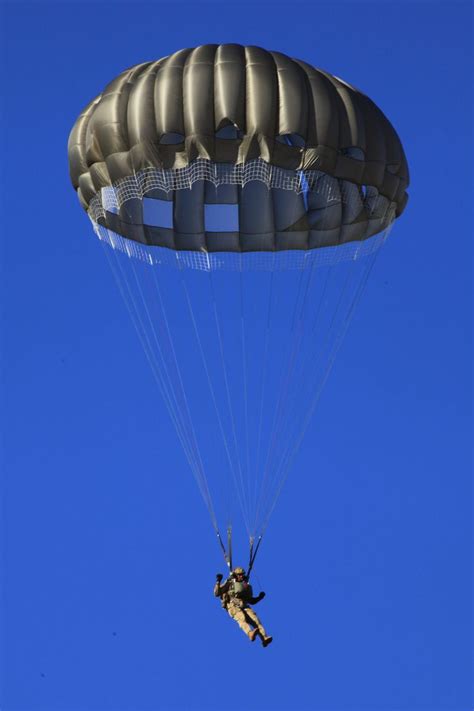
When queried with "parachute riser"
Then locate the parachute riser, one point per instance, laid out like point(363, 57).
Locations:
point(253, 554)
point(227, 558)
point(228, 552)
point(229, 547)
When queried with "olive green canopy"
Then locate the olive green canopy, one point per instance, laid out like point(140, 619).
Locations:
point(233, 105)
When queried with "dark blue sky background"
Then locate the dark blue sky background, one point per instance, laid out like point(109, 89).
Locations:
point(108, 556)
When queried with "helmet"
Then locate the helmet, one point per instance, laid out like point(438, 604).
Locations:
point(238, 571)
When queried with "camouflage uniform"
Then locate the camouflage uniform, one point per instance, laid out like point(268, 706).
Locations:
point(236, 598)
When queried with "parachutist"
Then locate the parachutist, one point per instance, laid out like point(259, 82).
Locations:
point(236, 597)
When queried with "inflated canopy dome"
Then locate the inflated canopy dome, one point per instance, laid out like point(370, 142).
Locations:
point(222, 107)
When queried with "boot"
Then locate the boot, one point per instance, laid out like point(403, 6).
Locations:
point(266, 641)
point(253, 634)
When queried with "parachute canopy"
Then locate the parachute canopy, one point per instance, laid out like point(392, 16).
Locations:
point(226, 122)
point(241, 197)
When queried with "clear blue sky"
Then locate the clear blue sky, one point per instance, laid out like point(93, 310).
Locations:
point(108, 557)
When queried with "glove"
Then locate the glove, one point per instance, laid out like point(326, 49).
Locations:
point(219, 577)
point(261, 595)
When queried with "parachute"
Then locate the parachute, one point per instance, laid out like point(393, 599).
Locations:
point(241, 198)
